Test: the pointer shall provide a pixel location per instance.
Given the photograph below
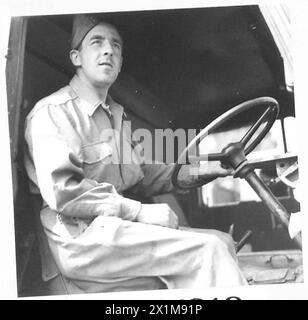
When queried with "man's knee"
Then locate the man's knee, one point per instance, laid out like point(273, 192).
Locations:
point(226, 238)
point(219, 239)
point(218, 235)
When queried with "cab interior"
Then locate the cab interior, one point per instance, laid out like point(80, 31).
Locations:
point(182, 69)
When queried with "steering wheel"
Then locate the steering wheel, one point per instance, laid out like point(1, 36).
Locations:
point(234, 154)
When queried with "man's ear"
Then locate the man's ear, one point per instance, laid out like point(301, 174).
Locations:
point(75, 58)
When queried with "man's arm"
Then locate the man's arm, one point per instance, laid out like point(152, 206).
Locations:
point(157, 177)
point(55, 167)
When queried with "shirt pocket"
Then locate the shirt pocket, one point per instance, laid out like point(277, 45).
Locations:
point(97, 152)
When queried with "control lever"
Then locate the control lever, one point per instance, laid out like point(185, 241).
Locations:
point(240, 244)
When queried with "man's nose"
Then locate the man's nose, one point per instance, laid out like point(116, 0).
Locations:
point(107, 49)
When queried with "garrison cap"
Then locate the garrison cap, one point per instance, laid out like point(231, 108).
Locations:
point(82, 24)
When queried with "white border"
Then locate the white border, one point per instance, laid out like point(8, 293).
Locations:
point(8, 283)
point(299, 10)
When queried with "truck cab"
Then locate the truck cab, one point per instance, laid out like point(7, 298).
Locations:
point(183, 69)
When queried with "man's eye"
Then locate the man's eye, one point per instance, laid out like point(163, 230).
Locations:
point(117, 45)
point(96, 41)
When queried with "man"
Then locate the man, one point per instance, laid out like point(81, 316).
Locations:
point(101, 240)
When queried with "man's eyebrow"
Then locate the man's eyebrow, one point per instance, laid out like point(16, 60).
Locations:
point(96, 36)
point(100, 37)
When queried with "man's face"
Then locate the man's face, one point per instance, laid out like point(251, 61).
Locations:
point(100, 55)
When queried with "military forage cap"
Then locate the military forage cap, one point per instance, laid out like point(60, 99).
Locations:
point(82, 24)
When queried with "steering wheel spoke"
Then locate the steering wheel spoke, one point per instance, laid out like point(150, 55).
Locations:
point(255, 127)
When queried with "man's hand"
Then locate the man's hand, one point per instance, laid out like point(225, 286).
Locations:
point(211, 169)
point(207, 171)
point(159, 214)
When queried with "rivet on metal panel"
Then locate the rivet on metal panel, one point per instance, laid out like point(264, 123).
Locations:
point(8, 54)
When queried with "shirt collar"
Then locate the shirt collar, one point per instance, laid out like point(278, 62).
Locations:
point(90, 102)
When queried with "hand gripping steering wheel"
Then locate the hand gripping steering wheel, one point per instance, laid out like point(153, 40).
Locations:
point(234, 155)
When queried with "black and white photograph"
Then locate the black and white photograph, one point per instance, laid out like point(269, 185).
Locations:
point(153, 151)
